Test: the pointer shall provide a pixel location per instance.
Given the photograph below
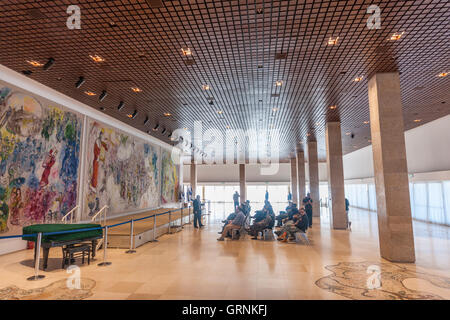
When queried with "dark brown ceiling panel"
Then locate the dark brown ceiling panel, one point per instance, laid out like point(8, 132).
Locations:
point(240, 49)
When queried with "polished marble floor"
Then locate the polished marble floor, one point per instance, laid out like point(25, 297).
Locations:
point(192, 264)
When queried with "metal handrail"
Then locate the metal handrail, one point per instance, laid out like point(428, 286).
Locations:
point(100, 212)
point(64, 219)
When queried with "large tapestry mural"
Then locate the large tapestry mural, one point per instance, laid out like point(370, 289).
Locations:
point(122, 172)
point(169, 178)
point(39, 152)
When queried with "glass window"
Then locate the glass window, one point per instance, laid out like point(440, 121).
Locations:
point(436, 212)
point(420, 201)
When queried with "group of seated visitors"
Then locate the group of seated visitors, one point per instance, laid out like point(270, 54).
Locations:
point(263, 219)
point(235, 220)
point(291, 222)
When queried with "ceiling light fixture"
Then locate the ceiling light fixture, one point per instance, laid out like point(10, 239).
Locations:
point(90, 93)
point(205, 87)
point(49, 64)
point(333, 41)
point(357, 79)
point(136, 89)
point(279, 83)
point(417, 120)
point(219, 111)
point(186, 51)
point(132, 115)
point(442, 74)
point(97, 58)
point(80, 82)
point(102, 96)
point(155, 128)
point(274, 109)
point(366, 122)
point(167, 114)
point(35, 63)
point(121, 105)
point(396, 36)
point(333, 107)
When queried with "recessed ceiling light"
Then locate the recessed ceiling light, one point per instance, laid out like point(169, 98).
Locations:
point(333, 107)
point(274, 109)
point(308, 134)
point(366, 122)
point(205, 87)
point(186, 51)
point(442, 74)
point(279, 83)
point(97, 58)
point(90, 93)
point(357, 79)
point(35, 63)
point(333, 41)
point(228, 127)
point(396, 36)
point(167, 114)
point(317, 123)
point(219, 111)
point(136, 89)
point(348, 133)
point(132, 115)
point(417, 120)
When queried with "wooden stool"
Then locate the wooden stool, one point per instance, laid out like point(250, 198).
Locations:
point(76, 251)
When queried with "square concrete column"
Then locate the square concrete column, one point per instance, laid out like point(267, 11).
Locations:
point(242, 183)
point(301, 176)
point(335, 167)
point(313, 164)
point(194, 178)
point(294, 180)
point(390, 168)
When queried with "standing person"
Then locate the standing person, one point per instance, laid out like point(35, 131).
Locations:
point(197, 212)
point(236, 199)
point(307, 202)
point(347, 205)
point(267, 195)
point(289, 197)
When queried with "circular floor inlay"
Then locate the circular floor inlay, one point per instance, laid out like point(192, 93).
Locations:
point(380, 280)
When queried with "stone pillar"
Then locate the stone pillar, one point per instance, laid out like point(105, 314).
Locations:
point(313, 164)
point(390, 168)
point(294, 180)
point(335, 167)
point(242, 183)
point(301, 177)
point(194, 178)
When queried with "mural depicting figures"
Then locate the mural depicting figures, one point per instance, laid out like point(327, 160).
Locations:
point(39, 160)
point(169, 178)
point(122, 172)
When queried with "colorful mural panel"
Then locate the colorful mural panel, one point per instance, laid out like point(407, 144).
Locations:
point(122, 172)
point(170, 174)
point(39, 160)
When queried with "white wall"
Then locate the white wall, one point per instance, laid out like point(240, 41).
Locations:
point(230, 173)
point(427, 150)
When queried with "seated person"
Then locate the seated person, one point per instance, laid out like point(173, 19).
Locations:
point(285, 214)
point(231, 217)
point(259, 216)
point(300, 224)
point(236, 223)
point(260, 225)
point(247, 207)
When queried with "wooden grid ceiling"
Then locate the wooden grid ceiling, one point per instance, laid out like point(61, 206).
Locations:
point(240, 49)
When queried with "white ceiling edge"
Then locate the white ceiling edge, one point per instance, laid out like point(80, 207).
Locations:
point(19, 80)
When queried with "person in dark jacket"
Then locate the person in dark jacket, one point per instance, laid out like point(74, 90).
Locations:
point(300, 224)
point(307, 202)
point(197, 212)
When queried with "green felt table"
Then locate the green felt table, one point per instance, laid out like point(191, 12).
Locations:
point(62, 240)
point(44, 228)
